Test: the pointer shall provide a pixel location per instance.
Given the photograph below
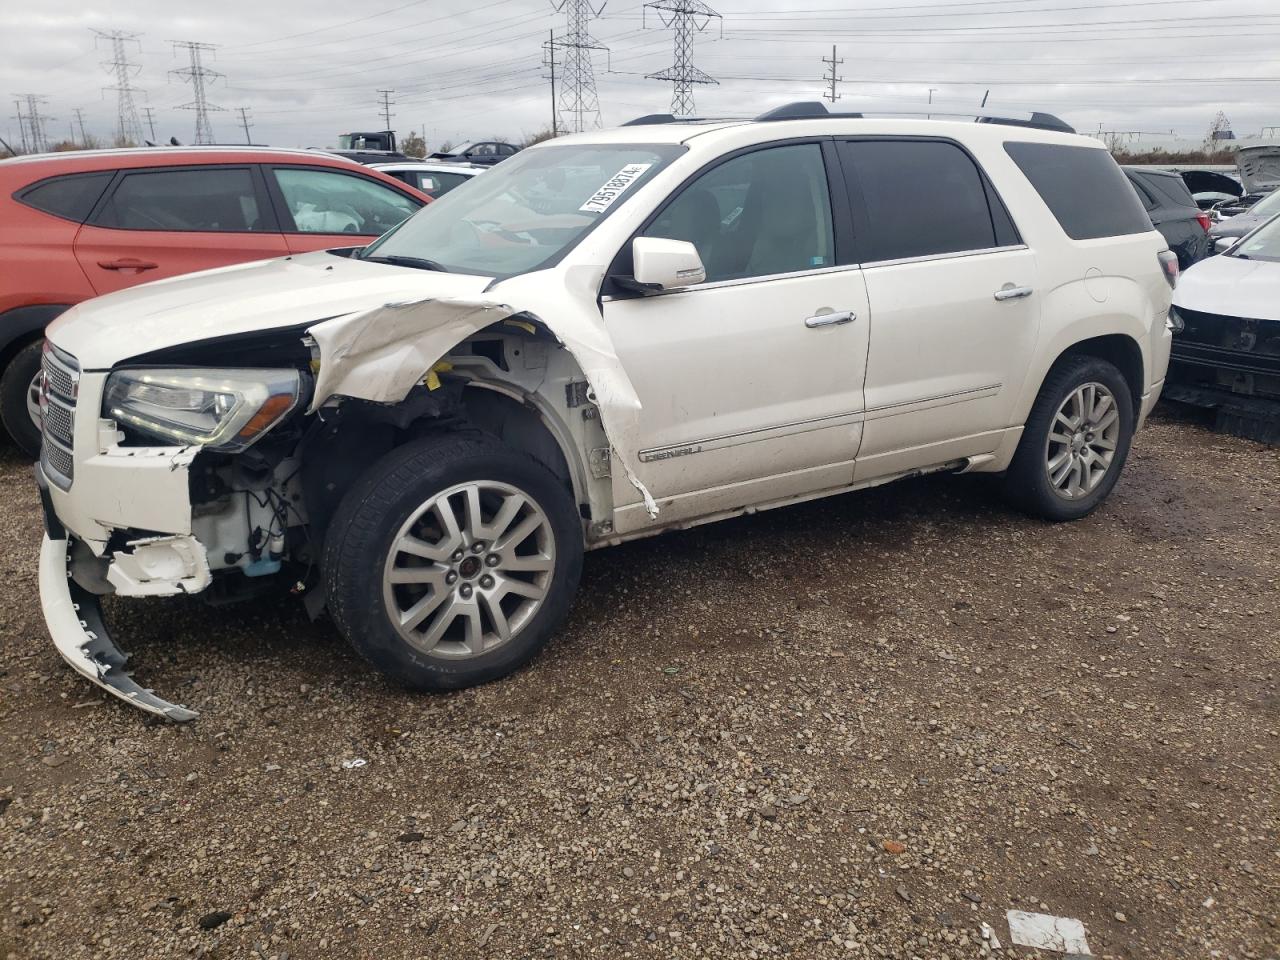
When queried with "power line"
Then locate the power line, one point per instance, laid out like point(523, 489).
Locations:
point(578, 101)
point(687, 17)
point(832, 79)
point(128, 128)
point(198, 75)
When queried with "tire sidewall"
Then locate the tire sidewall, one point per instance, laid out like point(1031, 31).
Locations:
point(14, 383)
point(371, 514)
point(1029, 474)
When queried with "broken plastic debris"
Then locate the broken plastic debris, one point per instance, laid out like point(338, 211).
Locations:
point(1046, 932)
point(353, 763)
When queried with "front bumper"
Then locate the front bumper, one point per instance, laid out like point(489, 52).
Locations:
point(74, 620)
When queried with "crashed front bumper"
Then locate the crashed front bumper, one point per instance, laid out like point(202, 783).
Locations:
point(74, 620)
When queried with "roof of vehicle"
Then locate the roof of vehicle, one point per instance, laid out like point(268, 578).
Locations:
point(1150, 171)
point(441, 166)
point(77, 161)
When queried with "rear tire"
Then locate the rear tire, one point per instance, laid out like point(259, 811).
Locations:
point(16, 384)
point(452, 561)
point(1075, 441)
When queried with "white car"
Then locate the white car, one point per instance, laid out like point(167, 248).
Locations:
point(609, 335)
point(434, 178)
point(1226, 343)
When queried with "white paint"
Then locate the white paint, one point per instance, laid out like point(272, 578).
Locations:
point(1046, 932)
point(1231, 286)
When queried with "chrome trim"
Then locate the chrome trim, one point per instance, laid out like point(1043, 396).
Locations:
point(1012, 293)
point(59, 389)
point(939, 400)
point(830, 319)
point(670, 451)
point(944, 256)
point(743, 281)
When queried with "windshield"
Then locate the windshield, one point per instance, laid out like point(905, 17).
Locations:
point(1262, 244)
point(1267, 205)
point(527, 211)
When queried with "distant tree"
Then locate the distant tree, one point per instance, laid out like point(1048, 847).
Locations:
point(444, 147)
point(122, 142)
point(63, 146)
point(413, 145)
point(530, 139)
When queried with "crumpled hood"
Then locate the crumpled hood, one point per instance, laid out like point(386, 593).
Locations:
point(1231, 287)
point(249, 297)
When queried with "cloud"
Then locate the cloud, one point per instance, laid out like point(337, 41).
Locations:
point(308, 71)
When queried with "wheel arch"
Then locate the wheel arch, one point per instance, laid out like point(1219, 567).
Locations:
point(23, 325)
point(1119, 349)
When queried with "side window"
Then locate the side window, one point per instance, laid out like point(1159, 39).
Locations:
point(1084, 189)
point(325, 201)
point(71, 196)
point(436, 184)
point(759, 214)
point(209, 200)
point(923, 198)
point(1144, 195)
point(506, 150)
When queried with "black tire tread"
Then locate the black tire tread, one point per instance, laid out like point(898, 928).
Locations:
point(13, 398)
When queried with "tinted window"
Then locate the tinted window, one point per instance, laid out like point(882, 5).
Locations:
point(1084, 189)
point(71, 197)
point(923, 198)
point(759, 214)
point(210, 200)
point(323, 201)
point(436, 184)
point(1144, 195)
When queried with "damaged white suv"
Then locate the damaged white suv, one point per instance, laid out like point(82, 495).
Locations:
point(610, 335)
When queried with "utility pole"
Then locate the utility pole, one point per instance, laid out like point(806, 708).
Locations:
point(22, 124)
point(199, 76)
point(151, 122)
point(687, 17)
point(244, 119)
point(84, 141)
point(832, 79)
point(984, 99)
point(549, 57)
point(578, 101)
point(931, 92)
point(386, 108)
point(128, 129)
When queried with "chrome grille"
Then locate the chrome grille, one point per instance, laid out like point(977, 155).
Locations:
point(58, 407)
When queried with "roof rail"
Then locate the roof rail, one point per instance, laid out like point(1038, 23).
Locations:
point(815, 109)
point(649, 119)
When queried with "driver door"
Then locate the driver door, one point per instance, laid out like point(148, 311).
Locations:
point(750, 382)
point(321, 208)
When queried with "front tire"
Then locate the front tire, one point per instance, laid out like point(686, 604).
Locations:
point(1075, 441)
point(19, 398)
point(452, 561)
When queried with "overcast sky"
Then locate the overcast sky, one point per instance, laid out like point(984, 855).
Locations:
point(474, 68)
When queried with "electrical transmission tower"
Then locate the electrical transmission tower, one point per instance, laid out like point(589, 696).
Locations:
point(151, 121)
point(84, 139)
point(387, 108)
point(198, 75)
point(831, 78)
point(128, 127)
point(579, 106)
point(33, 135)
point(22, 124)
point(687, 17)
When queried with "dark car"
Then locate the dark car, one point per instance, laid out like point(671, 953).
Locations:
point(486, 152)
point(1173, 212)
point(1238, 224)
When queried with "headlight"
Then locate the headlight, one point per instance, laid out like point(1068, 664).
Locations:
point(222, 409)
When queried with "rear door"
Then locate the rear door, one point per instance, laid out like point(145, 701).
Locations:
point(164, 221)
point(322, 207)
point(954, 300)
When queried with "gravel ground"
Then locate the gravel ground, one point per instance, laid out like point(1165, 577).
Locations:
point(859, 727)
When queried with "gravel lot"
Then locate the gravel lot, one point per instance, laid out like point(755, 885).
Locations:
point(858, 727)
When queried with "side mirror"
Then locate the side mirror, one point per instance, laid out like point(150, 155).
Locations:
point(1223, 244)
point(660, 264)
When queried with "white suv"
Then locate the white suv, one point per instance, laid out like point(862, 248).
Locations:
point(608, 336)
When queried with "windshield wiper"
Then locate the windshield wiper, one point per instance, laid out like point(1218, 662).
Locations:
point(418, 263)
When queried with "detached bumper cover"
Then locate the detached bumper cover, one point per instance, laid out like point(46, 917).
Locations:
point(75, 621)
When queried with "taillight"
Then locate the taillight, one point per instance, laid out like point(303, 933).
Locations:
point(1169, 266)
point(1203, 219)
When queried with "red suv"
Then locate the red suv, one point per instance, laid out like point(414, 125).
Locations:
point(78, 225)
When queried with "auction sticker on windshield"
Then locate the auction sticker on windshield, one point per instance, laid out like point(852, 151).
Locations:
point(614, 187)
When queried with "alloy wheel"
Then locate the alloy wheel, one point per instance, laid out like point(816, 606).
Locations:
point(1082, 441)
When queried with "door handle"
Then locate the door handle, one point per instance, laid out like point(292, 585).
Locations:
point(127, 263)
point(1010, 292)
point(830, 319)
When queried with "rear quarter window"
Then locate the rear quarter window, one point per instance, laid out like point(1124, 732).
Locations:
point(1084, 189)
point(71, 197)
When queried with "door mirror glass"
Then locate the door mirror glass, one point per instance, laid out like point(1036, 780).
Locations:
point(661, 264)
point(1223, 244)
